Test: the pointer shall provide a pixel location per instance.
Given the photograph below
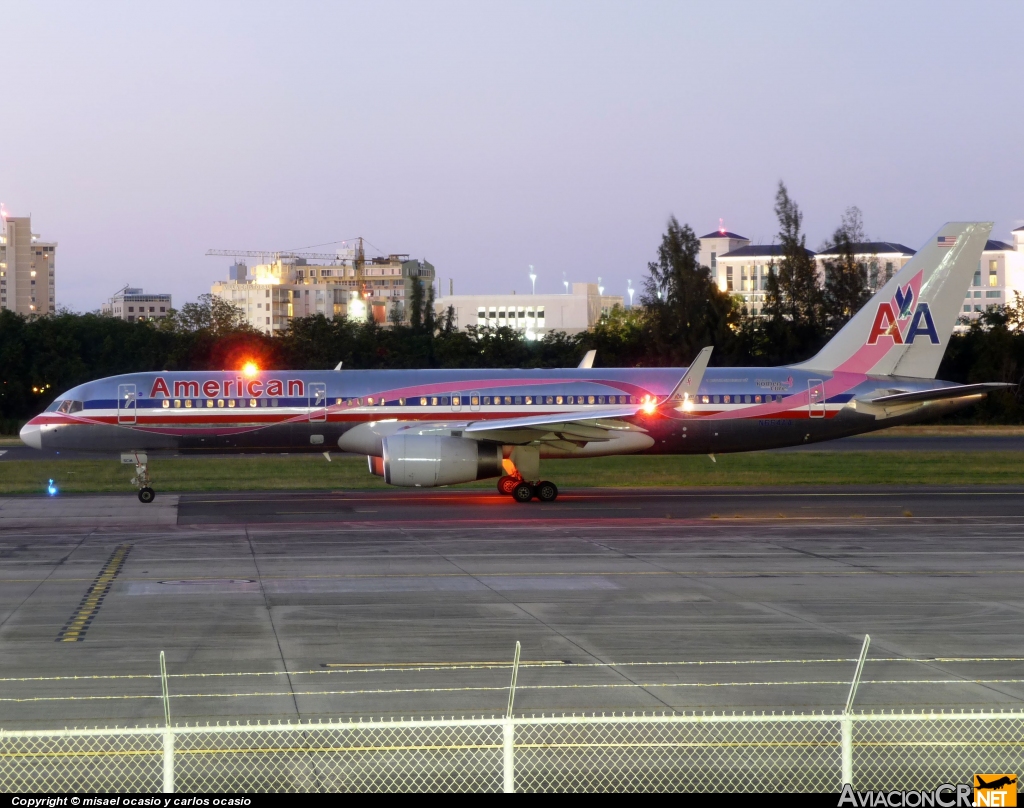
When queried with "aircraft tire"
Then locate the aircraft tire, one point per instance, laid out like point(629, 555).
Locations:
point(523, 492)
point(146, 495)
point(546, 491)
point(506, 484)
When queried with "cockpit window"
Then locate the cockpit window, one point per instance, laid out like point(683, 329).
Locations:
point(69, 406)
point(53, 407)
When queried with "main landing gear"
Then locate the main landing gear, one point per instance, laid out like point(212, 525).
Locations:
point(141, 478)
point(523, 491)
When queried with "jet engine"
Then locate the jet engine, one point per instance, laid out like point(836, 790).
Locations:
point(425, 461)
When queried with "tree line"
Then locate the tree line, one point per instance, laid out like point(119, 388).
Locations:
point(681, 310)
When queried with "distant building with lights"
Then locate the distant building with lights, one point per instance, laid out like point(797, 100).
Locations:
point(271, 294)
point(136, 305)
point(27, 268)
point(534, 315)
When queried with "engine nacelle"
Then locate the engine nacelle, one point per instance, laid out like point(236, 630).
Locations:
point(430, 460)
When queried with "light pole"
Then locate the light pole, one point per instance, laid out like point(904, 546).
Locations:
point(629, 288)
point(565, 283)
point(533, 279)
point(600, 288)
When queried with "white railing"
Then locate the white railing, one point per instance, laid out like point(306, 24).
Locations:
point(708, 753)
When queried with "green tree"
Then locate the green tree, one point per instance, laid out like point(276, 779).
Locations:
point(796, 292)
point(846, 282)
point(685, 308)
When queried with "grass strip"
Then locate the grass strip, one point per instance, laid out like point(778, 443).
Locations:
point(269, 472)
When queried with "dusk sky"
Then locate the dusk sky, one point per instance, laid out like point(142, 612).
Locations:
point(485, 137)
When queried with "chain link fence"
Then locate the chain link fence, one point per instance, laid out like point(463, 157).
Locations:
point(706, 753)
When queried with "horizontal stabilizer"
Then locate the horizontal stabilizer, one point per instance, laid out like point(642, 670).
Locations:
point(940, 393)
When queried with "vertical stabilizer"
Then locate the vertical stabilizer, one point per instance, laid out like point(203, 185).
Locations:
point(903, 330)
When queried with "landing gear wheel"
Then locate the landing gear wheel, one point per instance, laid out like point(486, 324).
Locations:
point(522, 492)
point(146, 494)
point(506, 484)
point(546, 491)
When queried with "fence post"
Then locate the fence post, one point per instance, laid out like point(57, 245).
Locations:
point(168, 734)
point(508, 732)
point(846, 723)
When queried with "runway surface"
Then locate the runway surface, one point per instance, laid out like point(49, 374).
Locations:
point(382, 604)
point(877, 442)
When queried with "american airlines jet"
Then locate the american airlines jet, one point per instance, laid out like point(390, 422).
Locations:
point(443, 427)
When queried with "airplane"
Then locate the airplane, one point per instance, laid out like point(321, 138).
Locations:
point(426, 428)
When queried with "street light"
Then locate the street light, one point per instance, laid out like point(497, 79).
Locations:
point(565, 283)
point(629, 288)
point(533, 279)
point(600, 288)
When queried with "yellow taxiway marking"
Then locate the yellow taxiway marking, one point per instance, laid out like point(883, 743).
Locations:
point(75, 628)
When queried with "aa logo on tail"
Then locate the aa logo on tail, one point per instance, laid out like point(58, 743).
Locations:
point(891, 319)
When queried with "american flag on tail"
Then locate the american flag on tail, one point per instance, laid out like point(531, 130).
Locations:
point(947, 241)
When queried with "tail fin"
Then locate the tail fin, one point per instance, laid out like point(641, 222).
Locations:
point(903, 330)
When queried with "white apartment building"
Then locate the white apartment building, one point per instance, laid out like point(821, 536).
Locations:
point(270, 295)
point(27, 283)
point(878, 260)
point(1000, 276)
point(742, 268)
point(534, 315)
point(135, 305)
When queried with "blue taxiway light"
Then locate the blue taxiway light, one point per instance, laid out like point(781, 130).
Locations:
point(51, 489)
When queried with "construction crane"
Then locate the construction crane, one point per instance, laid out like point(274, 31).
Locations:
point(276, 255)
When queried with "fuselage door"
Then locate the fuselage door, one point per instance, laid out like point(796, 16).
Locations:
point(317, 401)
point(126, 401)
point(816, 398)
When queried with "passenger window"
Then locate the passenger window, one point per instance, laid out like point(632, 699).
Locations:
point(757, 399)
point(474, 401)
point(209, 402)
point(166, 403)
point(188, 403)
point(456, 401)
point(252, 402)
point(445, 400)
point(401, 402)
point(423, 401)
point(487, 400)
point(220, 402)
point(433, 401)
point(231, 403)
point(273, 402)
point(519, 399)
point(704, 400)
point(590, 399)
point(508, 399)
point(727, 399)
point(558, 399)
point(177, 403)
point(529, 399)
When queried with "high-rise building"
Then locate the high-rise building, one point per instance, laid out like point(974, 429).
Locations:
point(270, 295)
point(26, 268)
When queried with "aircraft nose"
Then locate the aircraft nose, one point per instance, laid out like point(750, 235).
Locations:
point(32, 435)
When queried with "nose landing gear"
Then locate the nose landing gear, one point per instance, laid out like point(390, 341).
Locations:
point(141, 478)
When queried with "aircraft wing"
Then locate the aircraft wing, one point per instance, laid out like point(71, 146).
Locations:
point(575, 427)
point(939, 393)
